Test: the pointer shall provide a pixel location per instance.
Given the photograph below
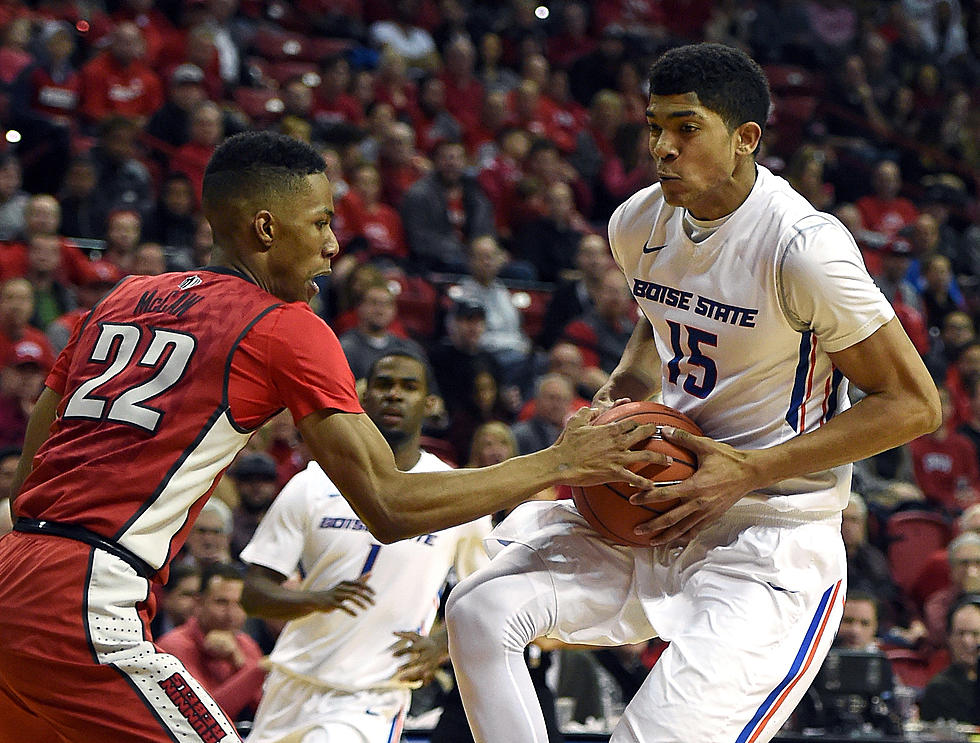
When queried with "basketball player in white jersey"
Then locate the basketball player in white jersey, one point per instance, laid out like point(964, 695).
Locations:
point(356, 642)
point(758, 312)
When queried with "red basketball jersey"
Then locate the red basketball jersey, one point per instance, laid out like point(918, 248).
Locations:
point(146, 426)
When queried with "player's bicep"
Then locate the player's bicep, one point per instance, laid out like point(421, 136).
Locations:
point(886, 362)
point(356, 458)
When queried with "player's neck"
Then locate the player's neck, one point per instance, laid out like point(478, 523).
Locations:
point(408, 455)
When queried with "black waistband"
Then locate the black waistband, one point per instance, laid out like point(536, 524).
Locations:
point(81, 534)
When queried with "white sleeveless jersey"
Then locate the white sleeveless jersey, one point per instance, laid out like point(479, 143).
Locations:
point(744, 320)
point(310, 526)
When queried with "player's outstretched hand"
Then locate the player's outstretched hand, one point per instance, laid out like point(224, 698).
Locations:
point(423, 656)
point(349, 596)
point(721, 479)
point(591, 455)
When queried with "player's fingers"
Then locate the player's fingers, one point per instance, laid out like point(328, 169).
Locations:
point(697, 444)
point(634, 433)
point(636, 480)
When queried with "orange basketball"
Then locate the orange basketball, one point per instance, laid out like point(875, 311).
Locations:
point(606, 507)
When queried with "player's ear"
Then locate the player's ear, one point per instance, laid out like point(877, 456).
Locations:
point(433, 406)
point(263, 223)
point(747, 138)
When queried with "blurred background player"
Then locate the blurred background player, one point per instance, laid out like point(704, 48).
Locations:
point(356, 643)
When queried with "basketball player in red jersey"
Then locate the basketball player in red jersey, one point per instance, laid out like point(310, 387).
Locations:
point(157, 390)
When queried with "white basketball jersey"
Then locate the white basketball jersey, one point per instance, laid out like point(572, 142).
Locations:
point(311, 526)
point(744, 320)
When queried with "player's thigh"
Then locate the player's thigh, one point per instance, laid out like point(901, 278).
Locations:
point(590, 583)
point(737, 671)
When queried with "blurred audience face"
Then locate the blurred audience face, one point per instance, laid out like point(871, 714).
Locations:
point(398, 145)
point(16, 305)
point(367, 183)
point(10, 178)
point(206, 127)
point(492, 443)
point(80, 179)
point(123, 232)
point(149, 260)
point(964, 636)
point(220, 605)
point(593, 258)
point(44, 255)
point(858, 625)
point(42, 215)
point(126, 44)
point(178, 196)
point(486, 259)
point(209, 539)
point(449, 161)
point(554, 399)
point(958, 330)
point(180, 600)
point(376, 310)
point(613, 301)
point(886, 180)
point(964, 568)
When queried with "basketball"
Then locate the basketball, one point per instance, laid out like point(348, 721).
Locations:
point(606, 507)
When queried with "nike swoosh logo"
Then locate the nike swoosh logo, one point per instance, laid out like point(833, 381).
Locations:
point(647, 249)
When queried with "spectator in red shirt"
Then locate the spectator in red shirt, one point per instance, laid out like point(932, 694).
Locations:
point(16, 310)
point(42, 216)
point(213, 647)
point(392, 85)
point(103, 276)
point(124, 228)
point(378, 224)
point(117, 81)
point(603, 330)
point(158, 32)
point(945, 465)
point(333, 104)
point(433, 122)
point(21, 381)
point(574, 40)
point(884, 210)
point(481, 138)
point(206, 132)
point(44, 102)
point(400, 163)
point(501, 176)
point(464, 91)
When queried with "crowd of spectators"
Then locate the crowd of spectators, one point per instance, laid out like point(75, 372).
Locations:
point(476, 150)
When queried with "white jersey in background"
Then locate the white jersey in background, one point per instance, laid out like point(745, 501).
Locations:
point(743, 330)
point(310, 527)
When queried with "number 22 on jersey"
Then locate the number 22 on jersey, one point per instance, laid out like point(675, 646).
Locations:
point(120, 393)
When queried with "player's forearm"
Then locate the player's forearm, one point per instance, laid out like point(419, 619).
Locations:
point(637, 375)
point(432, 501)
point(877, 423)
point(265, 598)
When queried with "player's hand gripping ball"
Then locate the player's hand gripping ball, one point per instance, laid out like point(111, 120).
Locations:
point(606, 507)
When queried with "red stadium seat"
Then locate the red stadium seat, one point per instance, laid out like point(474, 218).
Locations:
point(911, 667)
point(261, 105)
point(442, 449)
point(417, 301)
point(793, 80)
point(912, 537)
point(283, 71)
point(278, 46)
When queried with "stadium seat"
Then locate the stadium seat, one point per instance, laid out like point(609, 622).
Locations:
point(283, 71)
point(793, 80)
point(442, 449)
point(912, 537)
point(910, 666)
point(417, 302)
point(261, 105)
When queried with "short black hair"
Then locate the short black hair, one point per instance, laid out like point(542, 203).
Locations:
point(258, 163)
point(405, 354)
point(179, 572)
point(726, 81)
point(219, 570)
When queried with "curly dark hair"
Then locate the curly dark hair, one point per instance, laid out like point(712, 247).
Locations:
point(726, 81)
point(258, 163)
